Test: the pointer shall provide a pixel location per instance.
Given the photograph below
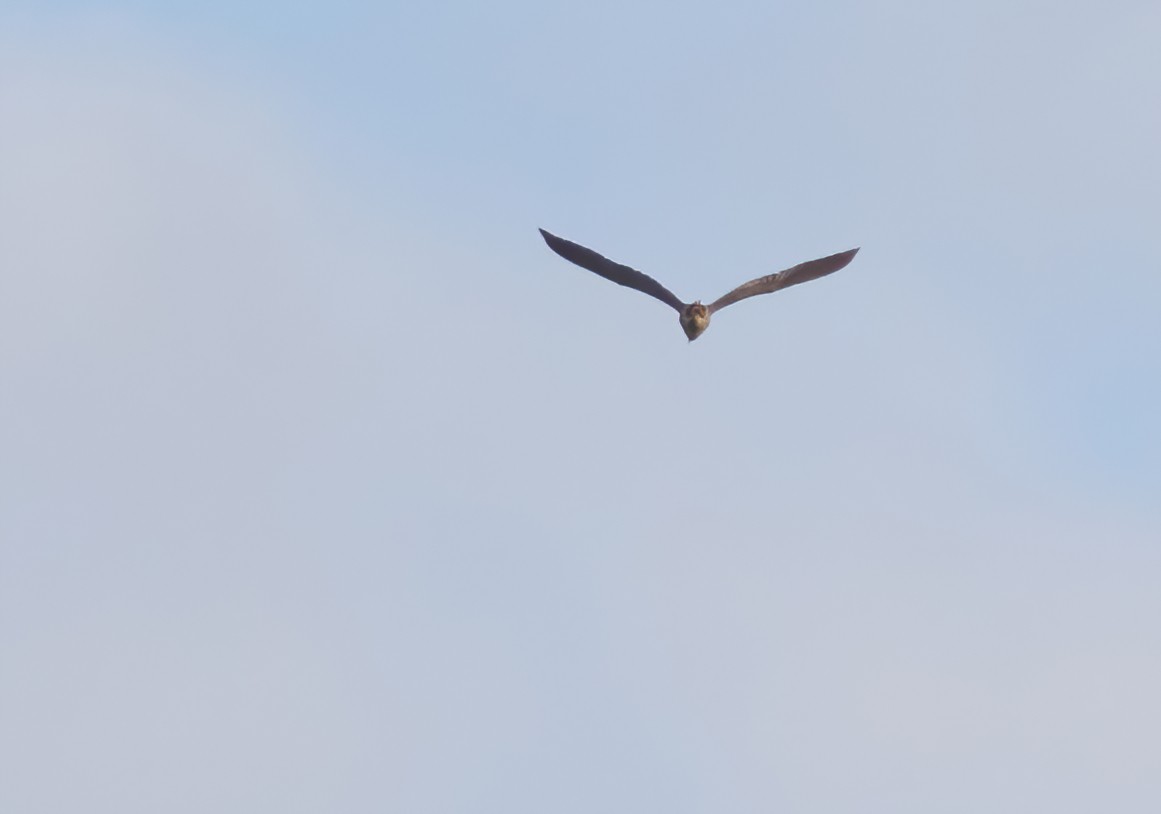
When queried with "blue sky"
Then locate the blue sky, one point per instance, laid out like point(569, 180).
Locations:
point(324, 485)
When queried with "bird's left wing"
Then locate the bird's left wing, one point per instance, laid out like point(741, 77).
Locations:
point(803, 272)
point(621, 275)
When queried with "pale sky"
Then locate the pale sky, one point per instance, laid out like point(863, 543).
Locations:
point(326, 486)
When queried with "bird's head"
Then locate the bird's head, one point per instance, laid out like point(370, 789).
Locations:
point(694, 320)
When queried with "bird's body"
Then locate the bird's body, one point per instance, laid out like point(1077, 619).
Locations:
point(694, 317)
point(694, 320)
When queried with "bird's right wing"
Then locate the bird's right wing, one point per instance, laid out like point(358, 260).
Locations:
point(621, 275)
point(803, 272)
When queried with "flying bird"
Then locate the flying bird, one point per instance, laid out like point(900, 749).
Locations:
point(694, 316)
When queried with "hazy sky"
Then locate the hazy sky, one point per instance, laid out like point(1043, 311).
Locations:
point(326, 487)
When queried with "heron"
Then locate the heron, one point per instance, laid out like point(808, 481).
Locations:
point(694, 316)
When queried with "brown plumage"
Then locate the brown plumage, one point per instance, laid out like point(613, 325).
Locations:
point(694, 316)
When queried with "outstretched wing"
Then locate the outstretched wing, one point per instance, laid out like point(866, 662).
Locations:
point(621, 275)
point(803, 272)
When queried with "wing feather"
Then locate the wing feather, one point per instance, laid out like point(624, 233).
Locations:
point(621, 275)
point(803, 272)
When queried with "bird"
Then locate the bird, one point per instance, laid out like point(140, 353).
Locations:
point(694, 316)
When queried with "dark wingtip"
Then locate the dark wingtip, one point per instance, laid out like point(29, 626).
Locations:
point(848, 255)
point(551, 240)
